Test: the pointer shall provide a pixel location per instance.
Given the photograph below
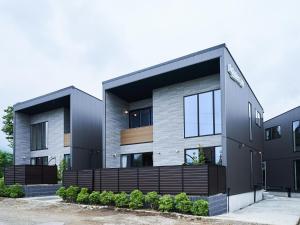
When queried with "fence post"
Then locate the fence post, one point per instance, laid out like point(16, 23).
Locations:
point(182, 178)
point(42, 174)
point(15, 175)
point(158, 180)
point(100, 180)
point(76, 177)
point(118, 179)
point(93, 179)
point(137, 178)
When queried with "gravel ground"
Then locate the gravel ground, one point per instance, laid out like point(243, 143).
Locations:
point(32, 212)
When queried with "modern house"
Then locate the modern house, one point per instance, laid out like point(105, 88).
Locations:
point(65, 124)
point(281, 155)
point(174, 112)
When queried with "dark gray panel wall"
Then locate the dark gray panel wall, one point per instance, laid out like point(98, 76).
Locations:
point(86, 129)
point(279, 154)
point(238, 145)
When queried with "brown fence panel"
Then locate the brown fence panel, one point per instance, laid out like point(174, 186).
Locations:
point(97, 180)
point(85, 179)
point(128, 179)
point(20, 174)
point(195, 180)
point(149, 179)
point(109, 179)
point(221, 179)
point(49, 175)
point(9, 177)
point(171, 179)
point(33, 174)
point(217, 179)
point(70, 178)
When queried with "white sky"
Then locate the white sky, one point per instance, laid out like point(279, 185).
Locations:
point(48, 45)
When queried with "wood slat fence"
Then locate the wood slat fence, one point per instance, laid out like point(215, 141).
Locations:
point(30, 174)
point(194, 180)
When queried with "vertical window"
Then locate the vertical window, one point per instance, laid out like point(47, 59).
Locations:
point(250, 121)
point(218, 155)
point(191, 116)
point(202, 114)
point(258, 118)
point(39, 136)
point(206, 116)
point(272, 133)
point(140, 118)
point(297, 174)
point(217, 112)
point(67, 159)
point(296, 136)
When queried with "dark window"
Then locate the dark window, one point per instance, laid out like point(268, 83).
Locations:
point(202, 114)
point(39, 136)
point(272, 133)
point(297, 174)
point(140, 118)
point(67, 159)
point(296, 135)
point(258, 118)
point(137, 160)
point(213, 155)
point(250, 121)
point(39, 161)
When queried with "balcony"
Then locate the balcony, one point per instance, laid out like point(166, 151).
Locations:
point(136, 135)
point(67, 140)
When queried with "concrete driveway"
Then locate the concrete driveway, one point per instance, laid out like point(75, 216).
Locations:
point(278, 210)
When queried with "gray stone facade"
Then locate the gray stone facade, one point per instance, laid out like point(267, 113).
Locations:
point(168, 123)
point(55, 150)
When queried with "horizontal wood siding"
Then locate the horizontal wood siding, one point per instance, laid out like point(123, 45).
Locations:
point(195, 180)
point(149, 179)
point(109, 180)
point(136, 135)
point(85, 179)
point(30, 174)
point(170, 179)
point(70, 178)
point(97, 180)
point(128, 179)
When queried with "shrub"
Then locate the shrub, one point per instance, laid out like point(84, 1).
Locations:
point(166, 203)
point(200, 208)
point(107, 198)
point(61, 192)
point(2, 184)
point(16, 191)
point(83, 196)
point(94, 198)
point(71, 193)
point(121, 200)
point(183, 203)
point(152, 198)
point(4, 192)
point(136, 199)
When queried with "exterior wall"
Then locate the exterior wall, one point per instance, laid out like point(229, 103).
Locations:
point(240, 201)
point(167, 106)
point(238, 144)
point(279, 154)
point(56, 149)
point(168, 121)
point(22, 139)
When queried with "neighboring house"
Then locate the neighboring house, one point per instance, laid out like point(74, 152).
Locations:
point(281, 154)
point(65, 124)
point(169, 113)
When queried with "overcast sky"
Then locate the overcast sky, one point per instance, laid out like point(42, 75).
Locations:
point(48, 45)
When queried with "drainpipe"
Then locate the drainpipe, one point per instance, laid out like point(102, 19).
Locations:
point(228, 194)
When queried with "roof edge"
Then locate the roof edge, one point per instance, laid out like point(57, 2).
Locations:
point(282, 113)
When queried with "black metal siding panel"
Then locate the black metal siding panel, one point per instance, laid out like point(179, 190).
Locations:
point(128, 179)
point(86, 131)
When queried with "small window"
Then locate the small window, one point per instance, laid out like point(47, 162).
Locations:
point(296, 136)
point(272, 133)
point(137, 160)
point(140, 118)
point(258, 118)
point(213, 155)
point(39, 161)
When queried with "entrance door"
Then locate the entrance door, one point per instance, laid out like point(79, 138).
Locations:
point(264, 174)
point(297, 174)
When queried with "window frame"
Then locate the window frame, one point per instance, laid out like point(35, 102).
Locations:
point(271, 136)
point(293, 140)
point(131, 160)
point(46, 135)
point(198, 118)
point(140, 120)
point(260, 118)
point(39, 157)
point(250, 118)
point(214, 148)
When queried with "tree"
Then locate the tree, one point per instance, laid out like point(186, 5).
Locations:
point(7, 128)
point(6, 159)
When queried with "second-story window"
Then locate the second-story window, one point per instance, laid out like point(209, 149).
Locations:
point(140, 118)
point(39, 136)
point(250, 121)
point(258, 118)
point(296, 136)
point(202, 114)
point(272, 133)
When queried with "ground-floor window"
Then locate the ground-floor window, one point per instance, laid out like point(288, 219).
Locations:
point(209, 155)
point(137, 160)
point(297, 174)
point(39, 161)
point(67, 159)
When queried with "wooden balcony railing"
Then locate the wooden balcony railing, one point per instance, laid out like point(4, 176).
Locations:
point(136, 135)
point(67, 140)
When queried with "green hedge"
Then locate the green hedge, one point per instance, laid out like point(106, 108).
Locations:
point(136, 200)
point(12, 191)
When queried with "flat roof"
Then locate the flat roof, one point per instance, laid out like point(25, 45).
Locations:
point(281, 114)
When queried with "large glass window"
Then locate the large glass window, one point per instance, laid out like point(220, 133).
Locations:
point(140, 118)
point(39, 161)
point(296, 135)
point(67, 159)
point(39, 136)
point(213, 155)
point(202, 114)
point(250, 120)
point(191, 116)
point(297, 174)
point(137, 160)
point(272, 133)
